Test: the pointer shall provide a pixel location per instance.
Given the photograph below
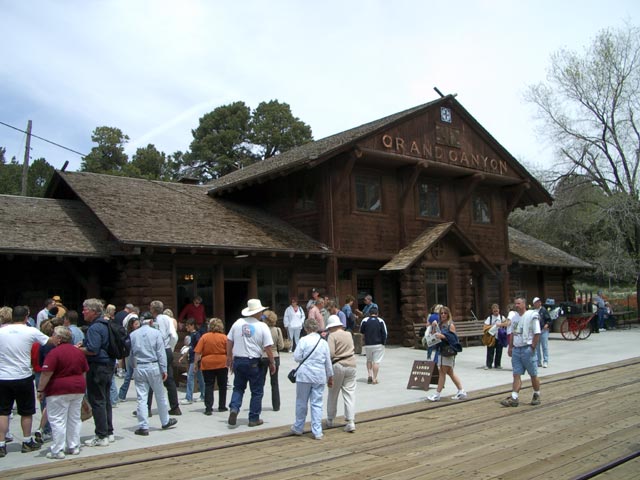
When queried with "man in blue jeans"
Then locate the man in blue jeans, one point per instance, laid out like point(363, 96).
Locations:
point(246, 341)
point(542, 351)
point(100, 375)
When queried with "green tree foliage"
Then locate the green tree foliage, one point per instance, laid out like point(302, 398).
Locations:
point(221, 142)
point(148, 163)
point(38, 176)
point(108, 156)
point(10, 175)
point(232, 137)
point(274, 129)
point(40, 173)
point(588, 108)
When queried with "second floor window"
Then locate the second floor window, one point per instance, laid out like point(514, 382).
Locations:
point(368, 193)
point(428, 200)
point(481, 209)
point(305, 195)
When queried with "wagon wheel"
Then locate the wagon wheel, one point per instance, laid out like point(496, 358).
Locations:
point(585, 331)
point(568, 329)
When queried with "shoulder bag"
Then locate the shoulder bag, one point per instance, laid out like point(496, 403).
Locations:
point(292, 374)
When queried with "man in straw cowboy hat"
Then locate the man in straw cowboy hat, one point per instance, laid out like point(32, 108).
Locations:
point(246, 341)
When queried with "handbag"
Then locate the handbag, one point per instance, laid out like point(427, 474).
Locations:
point(447, 350)
point(86, 412)
point(292, 374)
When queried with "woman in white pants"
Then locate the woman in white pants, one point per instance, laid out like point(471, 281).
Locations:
point(344, 373)
point(293, 320)
point(63, 383)
point(314, 371)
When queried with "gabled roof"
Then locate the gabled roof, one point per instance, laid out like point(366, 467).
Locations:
point(316, 152)
point(153, 213)
point(531, 251)
point(406, 257)
point(49, 226)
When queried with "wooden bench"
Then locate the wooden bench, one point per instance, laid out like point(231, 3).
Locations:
point(623, 318)
point(465, 329)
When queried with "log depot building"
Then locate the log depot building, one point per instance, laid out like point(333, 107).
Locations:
point(411, 208)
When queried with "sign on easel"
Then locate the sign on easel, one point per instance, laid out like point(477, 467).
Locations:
point(423, 374)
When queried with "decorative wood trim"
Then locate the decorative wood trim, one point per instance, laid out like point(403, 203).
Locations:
point(518, 191)
point(471, 184)
point(417, 170)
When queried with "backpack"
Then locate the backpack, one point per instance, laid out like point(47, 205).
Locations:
point(119, 342)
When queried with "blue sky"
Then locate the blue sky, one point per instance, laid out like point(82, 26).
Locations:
point(153, 68)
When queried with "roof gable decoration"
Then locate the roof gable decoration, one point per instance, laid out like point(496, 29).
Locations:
point(410, 254)
point(446, 148)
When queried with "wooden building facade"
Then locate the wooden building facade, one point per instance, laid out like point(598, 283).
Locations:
point(411, 209)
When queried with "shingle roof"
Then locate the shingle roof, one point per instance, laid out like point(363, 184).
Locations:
point(416, 249)
point(412, 252)
point(146, 212)
point(528, 250)
point(49, 226)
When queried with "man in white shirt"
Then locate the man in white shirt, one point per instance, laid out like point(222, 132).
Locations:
point(169, 337)
point(16, 377)
point(525, 328)
point(246, 341)
point(44, 313)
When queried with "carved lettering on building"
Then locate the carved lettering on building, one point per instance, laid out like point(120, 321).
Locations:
point(445, 154)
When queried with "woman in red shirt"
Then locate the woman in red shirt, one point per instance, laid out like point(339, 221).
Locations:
point(63, 383)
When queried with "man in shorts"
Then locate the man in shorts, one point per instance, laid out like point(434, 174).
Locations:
point(374, 331)
point(524, 338)
point(16, 377)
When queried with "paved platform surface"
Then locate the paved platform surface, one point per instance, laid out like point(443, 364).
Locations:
point(565, 356)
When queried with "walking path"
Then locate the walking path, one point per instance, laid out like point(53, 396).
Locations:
point(565, 356)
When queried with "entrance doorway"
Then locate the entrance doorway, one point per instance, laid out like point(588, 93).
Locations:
point(236, 294)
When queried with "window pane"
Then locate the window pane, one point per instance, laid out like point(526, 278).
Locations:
point(428, 200)
point(437, 287)
point(368, 195)
point(481, 209)
point(305, 195)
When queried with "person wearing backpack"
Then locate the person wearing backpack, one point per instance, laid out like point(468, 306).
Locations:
point(100, 375)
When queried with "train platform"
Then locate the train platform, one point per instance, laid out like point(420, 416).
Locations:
point(565, 356)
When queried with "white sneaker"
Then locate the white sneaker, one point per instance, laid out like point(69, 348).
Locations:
point(58, 456)
point(112, 438)
point(73, 451)
point(184, 401)
point(434, 398)
point(545, 365)
point(295, 432)
point(350, 427)
point(97, 442)
point(329, 423)
point(460, 395)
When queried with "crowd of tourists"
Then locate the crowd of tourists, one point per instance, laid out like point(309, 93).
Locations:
point(71, 371)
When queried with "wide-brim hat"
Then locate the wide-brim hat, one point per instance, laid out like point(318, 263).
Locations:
point(333, 321)
point(254, 306)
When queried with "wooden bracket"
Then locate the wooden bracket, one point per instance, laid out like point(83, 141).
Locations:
point(471, 185)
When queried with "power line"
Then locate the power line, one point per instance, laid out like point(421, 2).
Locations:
point(44, 139)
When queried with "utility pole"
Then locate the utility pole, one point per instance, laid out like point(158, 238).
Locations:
point(25, 164)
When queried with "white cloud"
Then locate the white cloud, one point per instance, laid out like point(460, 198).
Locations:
point(153, 68)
